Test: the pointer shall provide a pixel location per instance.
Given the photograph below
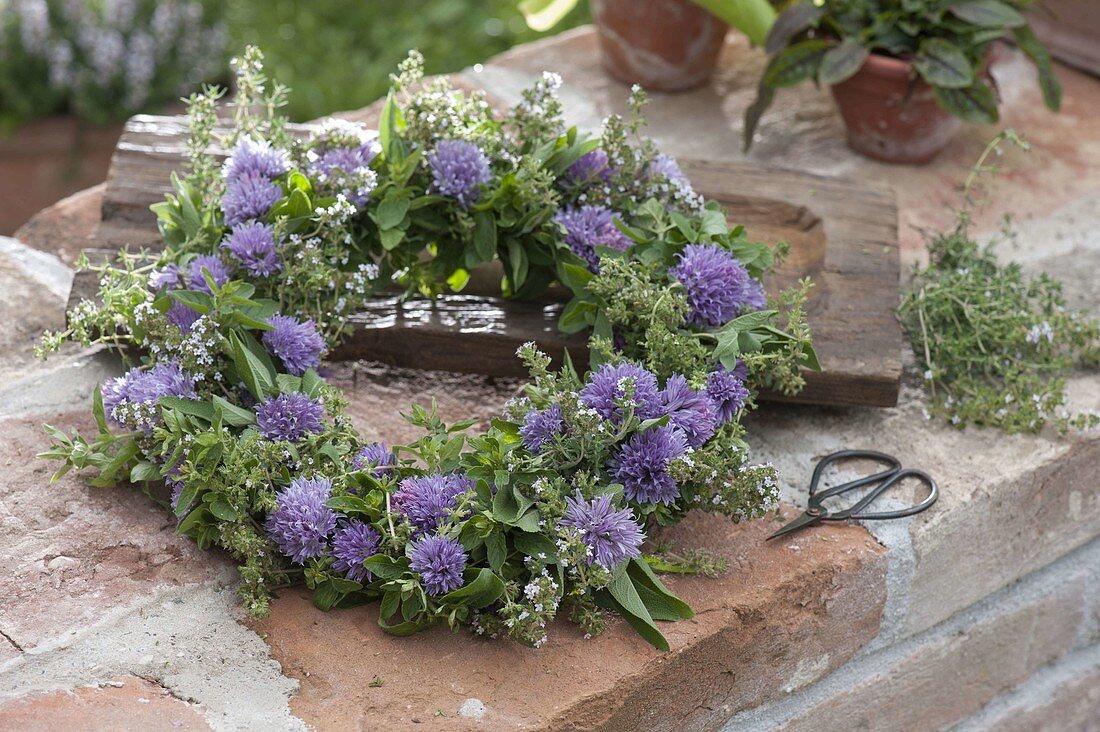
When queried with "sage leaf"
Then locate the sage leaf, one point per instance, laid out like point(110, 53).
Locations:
point(976, 103)
point(842, 61)
point(988, 13)
point(943, 64)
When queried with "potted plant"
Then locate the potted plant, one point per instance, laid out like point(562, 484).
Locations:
point(70, 72)
point(667, 45)
point(904, 74)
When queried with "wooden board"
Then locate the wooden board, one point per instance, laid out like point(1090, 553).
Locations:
point(843, 234)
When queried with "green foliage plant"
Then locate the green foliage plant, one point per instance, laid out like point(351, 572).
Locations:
point(947, 42)
point(995, 345)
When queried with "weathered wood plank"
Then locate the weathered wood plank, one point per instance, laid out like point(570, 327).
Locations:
point(842, 233)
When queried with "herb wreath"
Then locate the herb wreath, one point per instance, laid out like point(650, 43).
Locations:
point(547, 510)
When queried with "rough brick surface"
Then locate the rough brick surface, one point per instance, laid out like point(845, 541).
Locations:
point(784, 615)
point(71, 554)
point(1072, 705)
point(950, 676)
point(126, 705)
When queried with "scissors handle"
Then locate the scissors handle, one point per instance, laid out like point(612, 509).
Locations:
point(892, 463)
point(897, 477)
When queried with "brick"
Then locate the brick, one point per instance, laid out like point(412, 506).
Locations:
point(1072, 705)
point(71, 554)
point(1005, 529)
point(947, 676)
point(783, 616)
point(129, 704)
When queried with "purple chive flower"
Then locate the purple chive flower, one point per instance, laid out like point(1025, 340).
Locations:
point(439, 561)
point(612, 536)
point(182, 316)
point(213, 264)
point(253, 245)
point(168, 277)
point(727, 391)
point(131, 400)
point(256, 158)
point(642, 465)
point(540, 428)
point(289, 417)
point(719, 288)
point(667, 167)
point(346, 170)
point(354, 542)
point(607, 385)
point(589, 227)
point(592, 167)
point(302, 523)
point(426, 500)
point(298, 345)
point(459, 169)
point(688, 410)
point(376, 456)
point(248, 197)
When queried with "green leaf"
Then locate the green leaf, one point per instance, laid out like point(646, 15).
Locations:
point(751, 17)
point(542, 15)
point(642, 575)
point(391, 211)
point(191, 407)
point(233, 415)
point(253, 365)
point(796, 63)
point(384, 566)
point(496, 550)
point(988, 13)
point(197, 301)
point(482, 588)
point(97, 411)
point(517, 258)
point(764, 96)
point(943, 64)
point(221, 509)
point(533, 544)
point(976, 103)
point(575, 277)
point(145, 472)
point(790, 23)
point(326, 596)
point(625, 599)
point(390, 127)
point(842, 61)
point(576, 316)
point(1048, 82)
point(390, 238)
point(485, 235)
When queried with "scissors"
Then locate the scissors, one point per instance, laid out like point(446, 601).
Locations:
point(891, 475)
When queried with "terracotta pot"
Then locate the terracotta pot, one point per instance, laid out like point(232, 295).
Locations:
point(891, 113)
point(47, 160)
point(1071, 30)
point(667, 45)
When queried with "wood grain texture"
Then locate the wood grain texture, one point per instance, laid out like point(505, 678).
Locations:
point(842, 233)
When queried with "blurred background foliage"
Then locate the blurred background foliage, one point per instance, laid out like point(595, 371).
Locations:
point(337, 54)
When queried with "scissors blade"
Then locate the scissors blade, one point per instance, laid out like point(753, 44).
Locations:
point(806, 519)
